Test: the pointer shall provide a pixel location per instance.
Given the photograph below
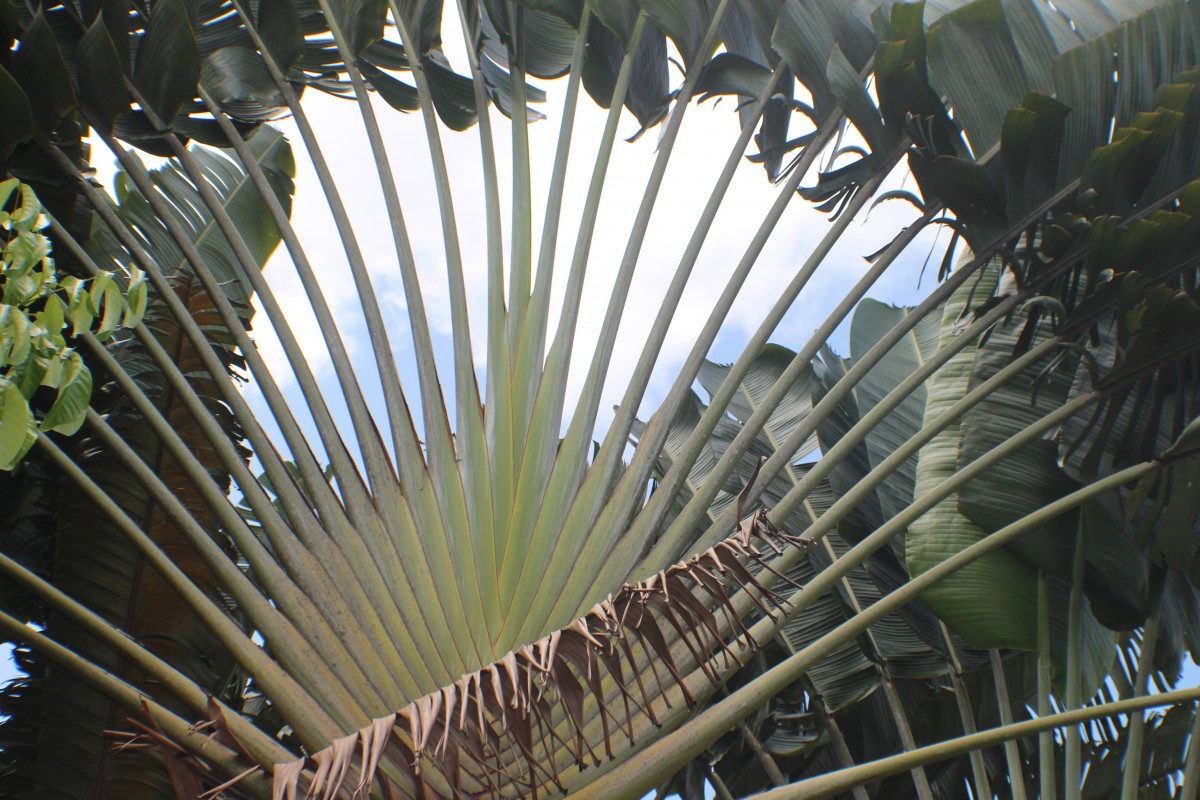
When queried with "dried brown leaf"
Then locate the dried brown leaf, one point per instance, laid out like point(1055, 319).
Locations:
point(500, 729)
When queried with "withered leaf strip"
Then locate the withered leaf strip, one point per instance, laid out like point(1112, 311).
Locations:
point(495, 732)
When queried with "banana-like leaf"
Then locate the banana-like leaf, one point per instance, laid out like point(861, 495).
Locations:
point(56, 724)
point(989, 603)
point(828, 369)
point(1111, 554)
point(1168, 731)
point(240, 200)
point(899, 649)
point(871, 321)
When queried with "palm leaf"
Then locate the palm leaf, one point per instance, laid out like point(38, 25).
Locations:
point(440, 551)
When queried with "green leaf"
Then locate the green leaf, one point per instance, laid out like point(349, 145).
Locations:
point(992, 602)
point(52, 320)
point(728, 73)
point(71, 403)
point(18, 431)
point(973, 59)
point(1174, 546)
point(646, 96)
point(685, 23)
point(135, 298)
point(546, 44)
point(852, 96)
point(7, 187)
point(987, 603)
point(398, 94)
point(845, 676)
point(242, 201)
point(991, 501)
point(107, 300)
point(872, 321)
point(618, 16)
point(569, 10)
point(238, 75)
point(361, 22)
point(10, 25)
point(101, 80)
point(1121, 170)
point(279, 26)
point(966, 189)
point(453, 96)
point(763, 374)
point(423, 20)
point(807, 32)
point(18, 125)
point(168, 60)
point(40, 69)
point(120, 24)
point(868, 515)
point(1031, 137)
point(79, 304)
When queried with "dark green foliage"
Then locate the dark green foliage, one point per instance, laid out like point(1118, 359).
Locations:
point(54, 740)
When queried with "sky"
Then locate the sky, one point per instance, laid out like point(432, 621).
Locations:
point(699, 155)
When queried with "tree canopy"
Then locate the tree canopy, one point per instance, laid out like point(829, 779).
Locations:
point(959, 554)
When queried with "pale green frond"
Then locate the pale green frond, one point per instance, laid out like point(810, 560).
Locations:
point(433, 593)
